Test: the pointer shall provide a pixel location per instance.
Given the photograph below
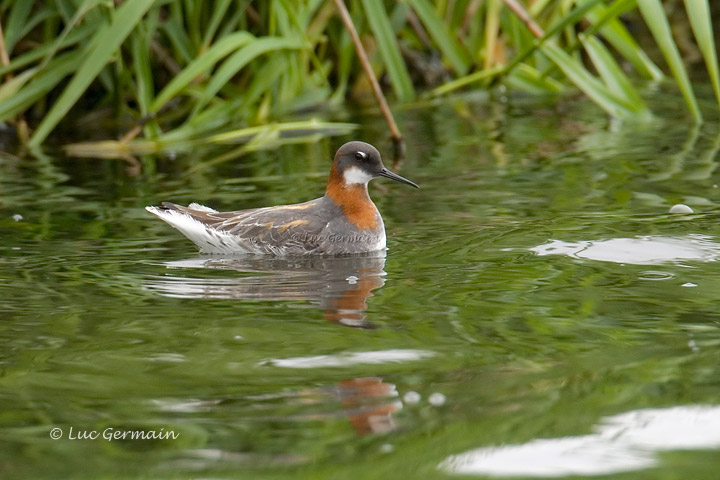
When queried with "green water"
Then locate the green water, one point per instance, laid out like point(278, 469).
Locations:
point(470, 334)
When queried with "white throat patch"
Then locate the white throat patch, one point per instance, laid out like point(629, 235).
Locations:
point(355, 175)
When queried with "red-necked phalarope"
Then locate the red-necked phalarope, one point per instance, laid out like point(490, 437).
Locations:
point(343, 221)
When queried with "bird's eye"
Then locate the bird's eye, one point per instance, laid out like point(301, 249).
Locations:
point(360, 156)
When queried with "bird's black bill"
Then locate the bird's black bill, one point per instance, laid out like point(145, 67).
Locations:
point(394, 176)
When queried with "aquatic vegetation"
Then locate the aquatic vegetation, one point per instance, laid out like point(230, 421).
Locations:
point(178, 71)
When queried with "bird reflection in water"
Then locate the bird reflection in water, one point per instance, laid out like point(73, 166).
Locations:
point(339, 285)
point(369, 404)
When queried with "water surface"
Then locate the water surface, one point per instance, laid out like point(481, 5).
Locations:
point(538, 306)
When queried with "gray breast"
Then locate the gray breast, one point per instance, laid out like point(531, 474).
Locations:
point(343, 237)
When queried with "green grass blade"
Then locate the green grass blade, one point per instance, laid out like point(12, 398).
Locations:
point(236, 21)
point(268, 76)
point(346, 54)
point(467, 80)
point(538, 6)
point(652, 12)
point(455, 54)
point(522, 39)
point(610, 71)
point(237, 62)
point(570, 19)
point(141, 66)
point(87, 6)
point(65, 7)
point(389, 50)
point(300, 20)
point(589, 84)
point(47, 49)
point(530, 79)
point(244, 135)
point(16, 22)
point(605, 20)
point(192, 22)
point(200, 65)
point(699, 14)
point(43, 82)
point(38, 18)
point(178, 36)
point(492, 27)
point(105, 44)
point(218, 13)
point(398, 17)
point(12, 86)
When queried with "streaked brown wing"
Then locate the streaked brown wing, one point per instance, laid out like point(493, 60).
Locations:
point(293, 228)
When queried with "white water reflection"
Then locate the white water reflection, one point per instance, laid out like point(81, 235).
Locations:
point(648, 250)
point(625, 442)
point(349, 359)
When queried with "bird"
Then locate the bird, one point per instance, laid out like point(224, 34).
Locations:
point(343, 221)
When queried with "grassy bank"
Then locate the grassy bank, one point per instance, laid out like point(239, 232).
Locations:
point(180, 71)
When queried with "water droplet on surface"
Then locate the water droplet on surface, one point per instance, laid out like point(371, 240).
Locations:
point(689, 284)
point(681, 208)
point(412, 397)
point(17, 217)
point(387, 448)
point(437, 399)
point(655, 275)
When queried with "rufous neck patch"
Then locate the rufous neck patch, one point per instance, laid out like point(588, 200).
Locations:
point(354, 201)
